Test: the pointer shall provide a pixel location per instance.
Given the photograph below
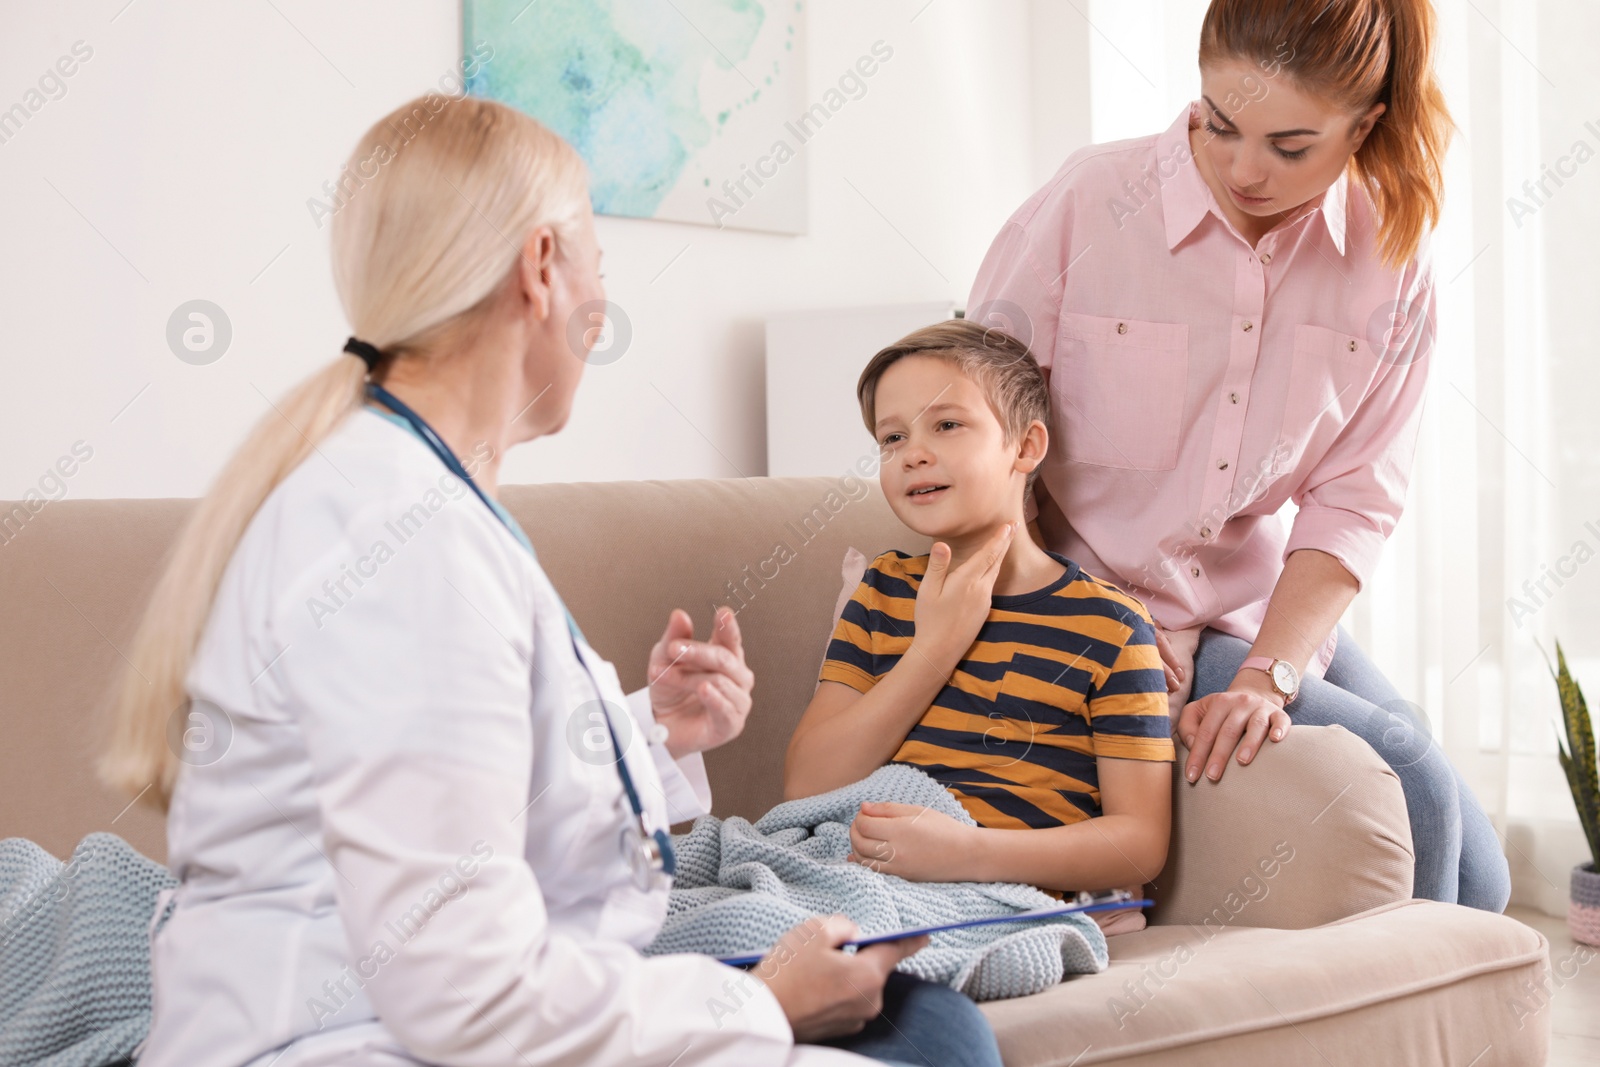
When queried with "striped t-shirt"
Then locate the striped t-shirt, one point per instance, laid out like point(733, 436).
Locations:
point(1056, 678)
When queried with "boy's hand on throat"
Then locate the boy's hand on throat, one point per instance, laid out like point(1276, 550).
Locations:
point(952, 604)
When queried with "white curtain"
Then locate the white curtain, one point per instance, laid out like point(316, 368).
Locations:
point(1448, 617)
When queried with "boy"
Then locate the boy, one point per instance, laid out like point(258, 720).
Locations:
point(1033, 691)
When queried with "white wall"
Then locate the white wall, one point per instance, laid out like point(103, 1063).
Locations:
point(178, 164)
point(1145, 66)
point(1061, 76)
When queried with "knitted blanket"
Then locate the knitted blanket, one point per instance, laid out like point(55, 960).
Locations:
point(75, 951)
point(740, 886)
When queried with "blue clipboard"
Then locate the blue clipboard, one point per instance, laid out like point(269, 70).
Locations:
point(988, 920)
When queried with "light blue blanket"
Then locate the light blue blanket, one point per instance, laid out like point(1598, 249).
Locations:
point(75, 951)
point(740, 886)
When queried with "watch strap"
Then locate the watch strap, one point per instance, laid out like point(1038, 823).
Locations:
point(1264, 665)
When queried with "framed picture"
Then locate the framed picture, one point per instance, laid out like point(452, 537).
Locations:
point(685, 110)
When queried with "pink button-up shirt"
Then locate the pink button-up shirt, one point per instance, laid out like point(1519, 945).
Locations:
point(1197, 383)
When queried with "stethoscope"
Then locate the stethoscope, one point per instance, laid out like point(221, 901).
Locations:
point(648, 852)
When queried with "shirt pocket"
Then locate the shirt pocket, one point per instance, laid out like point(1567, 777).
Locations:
point(1328, 378)
point(1010, 736)
point(1118, 391)
point(1035, 696)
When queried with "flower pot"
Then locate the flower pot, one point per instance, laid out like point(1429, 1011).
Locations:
point(1583, 910)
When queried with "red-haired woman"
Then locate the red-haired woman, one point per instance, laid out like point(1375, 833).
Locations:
point(1236, 313)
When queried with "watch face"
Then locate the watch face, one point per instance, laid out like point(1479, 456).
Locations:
point(1284, 676)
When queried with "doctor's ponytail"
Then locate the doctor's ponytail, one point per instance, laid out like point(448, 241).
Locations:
point(434, 205)
point(1357, 53)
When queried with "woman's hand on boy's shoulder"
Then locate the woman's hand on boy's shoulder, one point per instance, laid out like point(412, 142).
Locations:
point(1242, 717)
point(916, 843)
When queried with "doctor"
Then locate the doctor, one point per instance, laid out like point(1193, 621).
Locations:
point(395, 805)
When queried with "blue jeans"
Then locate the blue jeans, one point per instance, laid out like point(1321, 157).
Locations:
point(1458, 855)
point(924, 1024)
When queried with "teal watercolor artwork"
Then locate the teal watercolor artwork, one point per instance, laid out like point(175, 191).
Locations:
point(683, 110)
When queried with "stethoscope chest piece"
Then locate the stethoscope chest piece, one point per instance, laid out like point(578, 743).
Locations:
point(649, 856)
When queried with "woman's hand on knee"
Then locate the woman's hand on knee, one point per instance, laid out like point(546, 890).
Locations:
point(825, 992)
point(1214, 726)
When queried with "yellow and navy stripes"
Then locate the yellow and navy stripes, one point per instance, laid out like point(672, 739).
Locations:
point(1056, 678)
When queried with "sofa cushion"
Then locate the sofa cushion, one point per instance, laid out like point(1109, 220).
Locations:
point(1312, 830)
point(1410, 982)
point(74, 583)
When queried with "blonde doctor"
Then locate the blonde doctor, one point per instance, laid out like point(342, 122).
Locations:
point(388, 755)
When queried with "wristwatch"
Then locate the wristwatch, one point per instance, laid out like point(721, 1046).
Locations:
point(1285, 679)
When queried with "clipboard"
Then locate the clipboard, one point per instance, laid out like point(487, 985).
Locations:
point(749, 960)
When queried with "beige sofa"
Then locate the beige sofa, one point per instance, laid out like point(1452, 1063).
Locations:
point(1284, 931)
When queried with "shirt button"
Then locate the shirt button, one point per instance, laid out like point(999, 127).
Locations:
point(1195, 571)
point(1122, 327)
point(1352, 346)
point(1205, 531)
point(1248, 326)
point(659, 734)
point(1233, 398)
point(1222, 465)
point(1266, 257)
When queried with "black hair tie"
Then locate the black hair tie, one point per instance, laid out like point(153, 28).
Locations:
point(369, 353)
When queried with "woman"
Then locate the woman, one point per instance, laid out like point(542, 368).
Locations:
point(1237, 313)
point(397, 807)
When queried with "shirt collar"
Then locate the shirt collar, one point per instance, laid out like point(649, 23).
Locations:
point(1332, 209)
point(1186, 199)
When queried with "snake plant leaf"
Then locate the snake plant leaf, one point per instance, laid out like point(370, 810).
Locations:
point(1575, 710)
point(1578, 760)
point(1588, 817)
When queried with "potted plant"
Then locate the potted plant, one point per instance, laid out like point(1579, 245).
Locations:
point(1578, 760)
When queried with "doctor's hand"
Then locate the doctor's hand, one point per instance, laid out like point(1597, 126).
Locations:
point(825, 992)
point(700, 690)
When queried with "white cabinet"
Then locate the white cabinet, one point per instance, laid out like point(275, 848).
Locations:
point(814, 359)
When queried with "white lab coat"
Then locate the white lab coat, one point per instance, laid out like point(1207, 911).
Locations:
point(400, 855)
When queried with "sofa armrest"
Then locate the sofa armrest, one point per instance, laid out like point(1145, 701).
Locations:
point(1313, 830)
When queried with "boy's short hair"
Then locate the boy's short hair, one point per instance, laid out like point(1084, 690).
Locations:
point(998, 363)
